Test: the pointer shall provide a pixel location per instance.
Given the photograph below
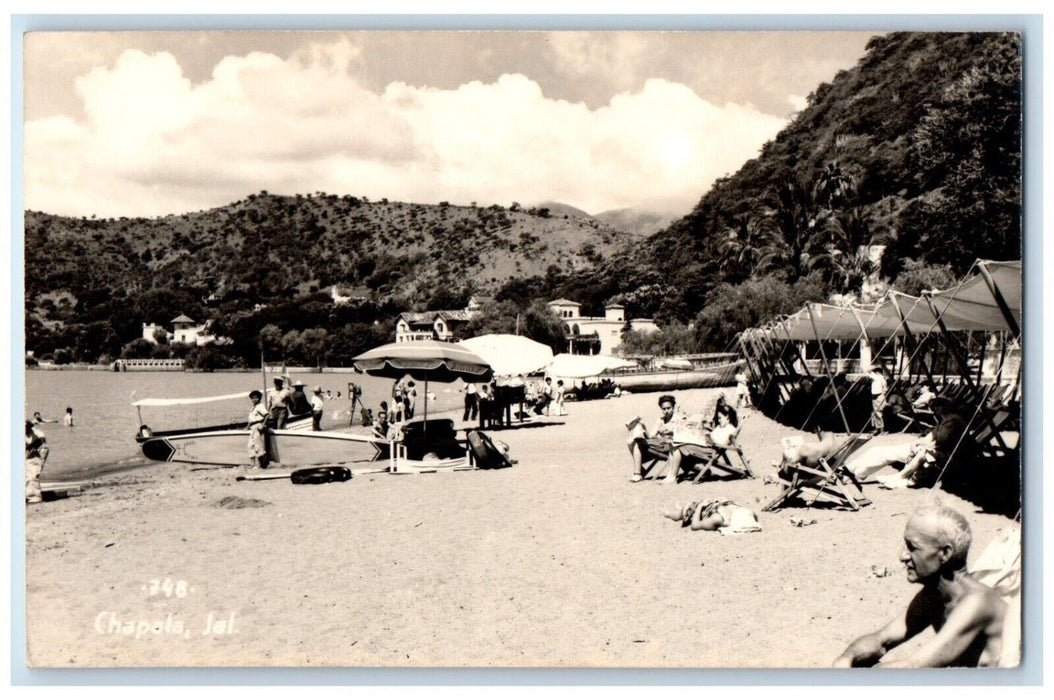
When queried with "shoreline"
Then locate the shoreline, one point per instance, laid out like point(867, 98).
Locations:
point(557, 561)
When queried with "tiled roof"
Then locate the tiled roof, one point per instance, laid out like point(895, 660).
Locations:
point(564, 302)
point(182, 318)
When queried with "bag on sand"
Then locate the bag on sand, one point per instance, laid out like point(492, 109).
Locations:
point(487, 454)
point(320, 475)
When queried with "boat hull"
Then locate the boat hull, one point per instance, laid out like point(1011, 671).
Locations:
point(300, 423)
point(670, 380)
point(288, 447)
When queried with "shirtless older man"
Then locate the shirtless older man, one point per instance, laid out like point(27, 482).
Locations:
point(966, 614)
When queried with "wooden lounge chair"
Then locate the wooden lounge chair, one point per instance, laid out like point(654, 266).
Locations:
point(722, 460)
point(830, 480)
point(428, 447)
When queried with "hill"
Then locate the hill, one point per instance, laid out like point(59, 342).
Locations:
point(639, 221)
point(267, 249)
point(918, 147)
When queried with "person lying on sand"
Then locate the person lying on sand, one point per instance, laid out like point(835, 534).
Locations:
point(966, 614)
point(716, 514)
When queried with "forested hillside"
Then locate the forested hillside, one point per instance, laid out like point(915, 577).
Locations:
point(917, 149)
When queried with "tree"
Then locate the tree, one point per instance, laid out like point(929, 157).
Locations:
point(842, 250)
point(794, 215)
point(917, 277)
point(731, 308)
point(541, 325)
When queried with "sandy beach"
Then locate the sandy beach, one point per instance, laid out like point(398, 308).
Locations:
point(558, 561)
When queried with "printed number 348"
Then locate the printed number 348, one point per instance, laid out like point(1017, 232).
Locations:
point(167, 587)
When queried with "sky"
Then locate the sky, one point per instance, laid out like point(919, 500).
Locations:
point(157, 123)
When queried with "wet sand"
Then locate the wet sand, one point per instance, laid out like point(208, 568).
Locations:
point(558, 561)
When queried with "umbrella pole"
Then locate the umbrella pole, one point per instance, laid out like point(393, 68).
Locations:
point(424, 426)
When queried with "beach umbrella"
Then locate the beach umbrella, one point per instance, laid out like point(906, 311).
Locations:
point(510, 355)
point(582, 366)
point(424, 360)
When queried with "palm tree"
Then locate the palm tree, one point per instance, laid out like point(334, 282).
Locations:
point(796, 219)
point(842, 249)
point(833, 186)
point(745, 243)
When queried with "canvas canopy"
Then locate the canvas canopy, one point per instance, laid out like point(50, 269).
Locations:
point(989, 300)
point(187, 402)
point(510, 355)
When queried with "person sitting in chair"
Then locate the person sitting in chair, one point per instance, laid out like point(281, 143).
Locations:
point(654, 444)
point(721, 435)
point(967, 615)
point(923, 458)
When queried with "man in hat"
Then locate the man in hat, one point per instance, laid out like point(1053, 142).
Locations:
point(317, 408)
point(299, 404)
point(278, 397)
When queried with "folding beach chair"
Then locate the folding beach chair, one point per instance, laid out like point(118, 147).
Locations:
point(722, 460)
point(830, 480)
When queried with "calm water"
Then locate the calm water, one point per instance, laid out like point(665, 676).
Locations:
point(106, 422)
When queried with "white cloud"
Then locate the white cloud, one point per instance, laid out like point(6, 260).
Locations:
point(154, 143)
point(798, 102)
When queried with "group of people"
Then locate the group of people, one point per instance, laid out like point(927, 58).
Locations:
point(968, 617)
point(721, 423)
point(493, 404)
point(284, 400)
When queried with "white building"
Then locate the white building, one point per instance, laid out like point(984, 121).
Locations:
point(597, 335)
point(185, 331)
point(150, 332)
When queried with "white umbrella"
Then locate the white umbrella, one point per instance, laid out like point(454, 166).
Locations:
point(510, 355)
point(582, 366)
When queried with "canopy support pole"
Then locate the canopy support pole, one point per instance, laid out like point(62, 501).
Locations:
point(827, 367)
point(999, 300)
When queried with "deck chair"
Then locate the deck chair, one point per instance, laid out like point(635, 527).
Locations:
point(829, 480)
point(427, 447)
point(722, 460)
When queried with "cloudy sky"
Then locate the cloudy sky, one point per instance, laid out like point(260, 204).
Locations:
point(145, 124)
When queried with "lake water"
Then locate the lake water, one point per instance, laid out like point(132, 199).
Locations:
point(103, 437)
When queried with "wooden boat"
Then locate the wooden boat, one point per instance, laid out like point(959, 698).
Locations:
point(298, 422)
point(713, 374)
point(286, 447)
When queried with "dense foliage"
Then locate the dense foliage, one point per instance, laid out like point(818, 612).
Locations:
point(917, 149)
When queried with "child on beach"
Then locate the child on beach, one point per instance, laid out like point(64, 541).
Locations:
point(258, 431)
point(68, 420)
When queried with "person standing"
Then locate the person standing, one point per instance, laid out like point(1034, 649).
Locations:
point(317, 408)
point(258, 431)
point(558, 397)
point(471, 402)
point(410, 399)
point(279, 400)
point(879, 387)
point(36, 456)
point(68, 419)
point(742, 390)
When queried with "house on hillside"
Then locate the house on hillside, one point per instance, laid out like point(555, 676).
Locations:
point(597, 335)
point(431, 325)
point(436, 325)
point(185, 330)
